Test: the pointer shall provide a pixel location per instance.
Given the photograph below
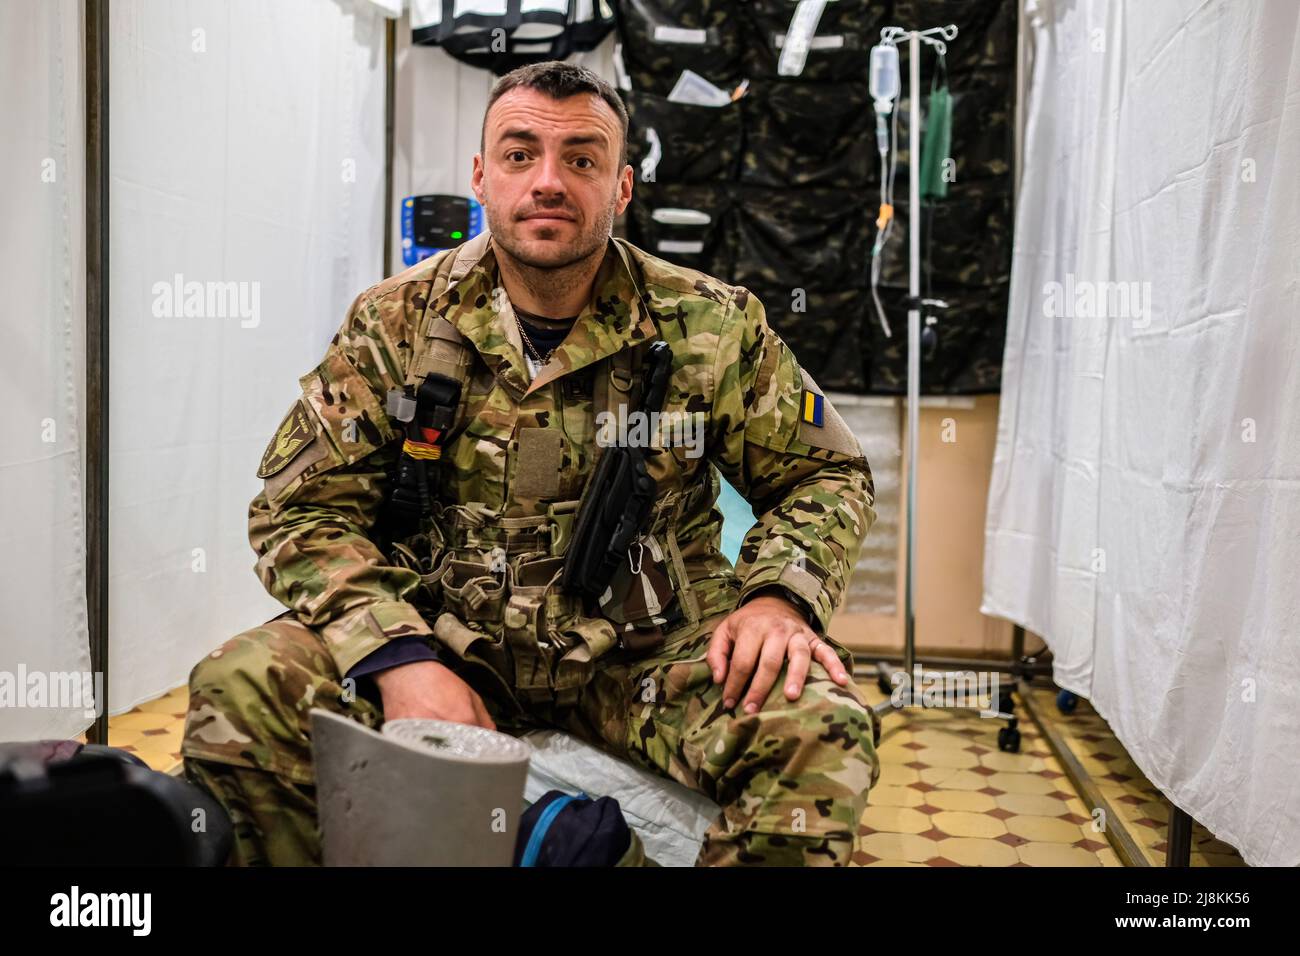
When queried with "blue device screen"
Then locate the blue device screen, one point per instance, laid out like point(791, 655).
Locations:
point(432, 223)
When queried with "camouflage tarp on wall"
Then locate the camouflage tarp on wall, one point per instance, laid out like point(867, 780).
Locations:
point(781, 187)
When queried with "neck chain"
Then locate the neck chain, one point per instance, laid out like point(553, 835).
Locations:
point(528, 343)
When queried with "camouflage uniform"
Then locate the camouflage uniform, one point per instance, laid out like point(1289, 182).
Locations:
point(479, 578)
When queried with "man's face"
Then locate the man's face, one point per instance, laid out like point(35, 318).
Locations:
point(549, 178)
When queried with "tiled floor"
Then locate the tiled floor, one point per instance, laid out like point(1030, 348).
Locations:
point(153, 730)
point(1143, 810)
point(946, 797)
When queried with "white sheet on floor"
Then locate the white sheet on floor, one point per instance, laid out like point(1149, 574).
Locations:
point(1144, 515)
point(669, 818)
point(42, 371)
point(247, 148)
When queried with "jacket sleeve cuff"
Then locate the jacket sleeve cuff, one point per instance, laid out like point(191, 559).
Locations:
point(366, 629)
point(395, 653)
point(800, 582)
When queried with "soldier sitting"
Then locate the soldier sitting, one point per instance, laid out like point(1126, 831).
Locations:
point(421, 495)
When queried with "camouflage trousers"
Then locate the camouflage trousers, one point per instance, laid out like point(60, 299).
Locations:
point(792, 779)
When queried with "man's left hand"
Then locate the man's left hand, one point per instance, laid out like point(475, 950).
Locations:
point(756, 640)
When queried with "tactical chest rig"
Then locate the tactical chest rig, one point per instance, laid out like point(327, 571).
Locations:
point(508, 595)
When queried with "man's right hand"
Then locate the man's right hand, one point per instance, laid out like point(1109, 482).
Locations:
point(428, 689)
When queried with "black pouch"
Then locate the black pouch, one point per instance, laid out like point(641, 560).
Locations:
point(808, 134)
point(695, 144)
point(660, 38)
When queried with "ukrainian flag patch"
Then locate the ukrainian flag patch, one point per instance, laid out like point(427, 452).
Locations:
point(812, 408)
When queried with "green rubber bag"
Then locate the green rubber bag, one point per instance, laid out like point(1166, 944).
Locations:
point(936, 140)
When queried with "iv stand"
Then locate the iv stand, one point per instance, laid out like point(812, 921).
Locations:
point(889, 677)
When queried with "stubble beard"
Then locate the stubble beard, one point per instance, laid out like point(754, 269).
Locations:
point(544, 273)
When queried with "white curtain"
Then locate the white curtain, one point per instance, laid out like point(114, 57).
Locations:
point(247, 166)
point(42, 270)
point(1144, 515)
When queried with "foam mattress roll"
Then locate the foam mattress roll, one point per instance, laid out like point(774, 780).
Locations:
point(420, 793)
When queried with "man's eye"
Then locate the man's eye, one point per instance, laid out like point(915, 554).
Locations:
point(587, 160)
point(517, 153)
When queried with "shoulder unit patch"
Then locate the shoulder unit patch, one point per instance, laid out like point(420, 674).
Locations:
point(293, 435)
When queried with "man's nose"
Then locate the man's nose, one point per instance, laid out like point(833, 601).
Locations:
point(549, 180)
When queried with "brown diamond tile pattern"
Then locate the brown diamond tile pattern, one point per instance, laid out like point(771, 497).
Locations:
point(934, 758)
point(1143, 810)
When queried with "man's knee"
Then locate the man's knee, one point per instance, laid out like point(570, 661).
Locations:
point(830, 735)
point(250, 699)
point(816, 754)
point(794, 779)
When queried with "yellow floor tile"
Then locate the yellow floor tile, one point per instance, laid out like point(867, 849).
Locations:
point(895, 797)
point(976, 852)
point(899, 846)
point(123, 738)
point(148, 746)
point(139, 720)
point(960, 823)
point(1020, 763)
point(938, 738)
point(966, 800)
point(1056, 854)
point(1044, 829)
point(169, 704)
point(948, 779)
point(1021, 783)
point(897, 775)
point(896, 863)
point(896, 820)
point(1033, 804)
point(1076, 806)
point(896, 734)
point(949, 756)
point(938, 776)
point(1107, 857)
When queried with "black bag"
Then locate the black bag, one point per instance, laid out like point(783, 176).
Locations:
point(66, 803)
point(562, 830)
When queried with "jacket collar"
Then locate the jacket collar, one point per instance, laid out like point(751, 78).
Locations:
point(614, 318)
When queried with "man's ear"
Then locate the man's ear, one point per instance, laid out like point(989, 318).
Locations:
point(625, 180)
point(476, 180)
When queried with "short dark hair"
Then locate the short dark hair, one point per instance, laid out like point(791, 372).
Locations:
point(559, 81)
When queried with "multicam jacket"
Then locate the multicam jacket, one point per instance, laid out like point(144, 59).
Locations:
point(523, 450)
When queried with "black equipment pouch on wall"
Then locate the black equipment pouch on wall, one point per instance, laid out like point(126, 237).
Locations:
point(687, 225)
point(660, 38)
point(811, 238)
point(529, 31)
point(807, 134)
point(682, 142)
point(839, 52)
